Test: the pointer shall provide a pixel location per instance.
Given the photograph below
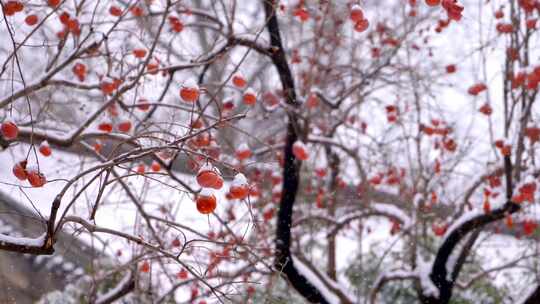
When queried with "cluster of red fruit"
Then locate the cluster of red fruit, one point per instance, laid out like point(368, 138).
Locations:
point(442, 24)
point(451, 68)
point(391, 113)
point(136, 11)
point(508, 28)
point(123, 126)
point(512, 53)
point(439, 228)
point(141, 168)
point(533, 134)
point(115, 11)
point(239, 188)
point(504, 147)
point(210, 178)
point(529, 225)
point(108, 86)
point(528, 79)
point(494, 182)
point(312, 101)
point(79, 69)
point(436, 129)
point(13, 7)
point(71, 25)
point(243, 152)
point(526, 192)
point(477, 89)
point(176, 25)
point(487, 195)
point(486, 109)
point(139, 53)
point(23, 172)
point(392, 176)
point(189, 92)
point(452, 7)
point(249, 96)
point(271, 100)
point(504, 28)
point(357, 16)
point(10, 131)
point(300, 151)
point(301, 12)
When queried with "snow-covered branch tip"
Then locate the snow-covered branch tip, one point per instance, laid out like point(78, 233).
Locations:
point(41, 245)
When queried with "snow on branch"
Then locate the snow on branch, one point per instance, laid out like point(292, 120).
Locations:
point(315, 281)
point(125, 286)
point(423, 270)
point(394, 212)
point(23, 241)
point(460, 220)
point(39, 245)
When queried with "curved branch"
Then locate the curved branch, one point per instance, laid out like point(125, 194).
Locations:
point(439, 272)
point(468, 223)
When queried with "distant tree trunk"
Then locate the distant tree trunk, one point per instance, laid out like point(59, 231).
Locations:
point(332, 243)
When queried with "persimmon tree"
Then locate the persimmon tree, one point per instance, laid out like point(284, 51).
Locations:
point(243, 151)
